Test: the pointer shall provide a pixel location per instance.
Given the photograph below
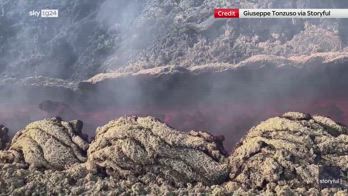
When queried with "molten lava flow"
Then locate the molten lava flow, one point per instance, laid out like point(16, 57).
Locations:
point(230, 119)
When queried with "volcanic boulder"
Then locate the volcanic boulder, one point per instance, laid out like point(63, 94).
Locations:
point(51, 143)
point(284, 153)
point(3, 136)
point(144, 148)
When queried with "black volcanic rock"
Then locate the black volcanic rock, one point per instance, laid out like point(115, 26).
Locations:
point(3, 136)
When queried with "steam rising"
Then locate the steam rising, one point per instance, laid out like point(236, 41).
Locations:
point(44, 60)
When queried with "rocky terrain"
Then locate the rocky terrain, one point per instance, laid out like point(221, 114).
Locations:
point(286, 152)
point(143, 147)
point(169, 59)
point(141, 155)
point(102, 60)
point(240, 95)
point(93, 37)
point(51, 144)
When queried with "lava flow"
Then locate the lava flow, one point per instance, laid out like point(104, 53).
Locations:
point(229, 119)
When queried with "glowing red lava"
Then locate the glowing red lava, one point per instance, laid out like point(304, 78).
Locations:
point(229, 119)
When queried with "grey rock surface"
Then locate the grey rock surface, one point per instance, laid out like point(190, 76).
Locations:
point(144, 147)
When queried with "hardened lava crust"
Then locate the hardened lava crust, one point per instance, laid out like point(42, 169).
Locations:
point(146, 148)
point(141, 155)
point(51, 143)
point(283, 154)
